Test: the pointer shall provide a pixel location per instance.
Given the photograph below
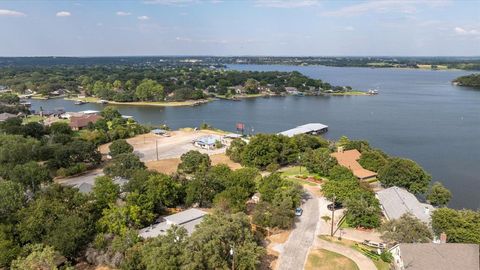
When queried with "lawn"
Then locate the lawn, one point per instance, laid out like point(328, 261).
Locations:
point(292, 171)
point(321, 259)
point(381, 265)
point(32, 118)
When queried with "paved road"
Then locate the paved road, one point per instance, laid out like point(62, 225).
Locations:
point(88, 177)
point(302, 237)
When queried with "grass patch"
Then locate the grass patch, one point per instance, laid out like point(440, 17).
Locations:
point(32, 118)
point(292, 172)
point(322, 259)
point(381, 265)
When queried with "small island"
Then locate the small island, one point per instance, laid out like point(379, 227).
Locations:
point(472, 80)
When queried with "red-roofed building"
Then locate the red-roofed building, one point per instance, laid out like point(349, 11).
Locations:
point(80, 122)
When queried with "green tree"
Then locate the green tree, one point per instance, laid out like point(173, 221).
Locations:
point(461, 226)
point(105, 192)
point(149, 90)
point(12, 199)
point(60, 128)
point(203, 188)
point(193, 161)
point(235, 150)
point(9, 246)
point(209, 246)
point(439, 195)
point(31, 175)
point(118, 219)
point(373, 160)
point(39, 257)
point(339, 173)
point(165, 252)
point(405, 173)
point(363, 213)
point(319, 161)
point(109, 113)
point(120, 147)
point(123, 165)
point(406, 229)
point(59, 217)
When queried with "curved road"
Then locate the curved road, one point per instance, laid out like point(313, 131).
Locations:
point(296, 248)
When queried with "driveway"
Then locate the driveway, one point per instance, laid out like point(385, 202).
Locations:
point(296, 248)
point(88, 177)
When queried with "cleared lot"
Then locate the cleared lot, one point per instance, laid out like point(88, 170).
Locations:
point(179, 142)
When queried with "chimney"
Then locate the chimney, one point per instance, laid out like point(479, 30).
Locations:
point(443, 238)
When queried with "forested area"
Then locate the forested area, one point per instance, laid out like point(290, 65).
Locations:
point(472, 80)
point(137, 83)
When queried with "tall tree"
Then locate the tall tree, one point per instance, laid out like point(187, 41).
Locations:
point(439, 195)
point(406, 229)
point(405, 173)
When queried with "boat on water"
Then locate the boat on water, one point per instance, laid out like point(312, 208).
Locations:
point(79, 102)
point(373, 92)
point(102, 101)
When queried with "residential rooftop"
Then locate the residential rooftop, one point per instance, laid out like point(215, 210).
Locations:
point(397, 201)
point(349, 159)
point(187, 219)
point(447, 256)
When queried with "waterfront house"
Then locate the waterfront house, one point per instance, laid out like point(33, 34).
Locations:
point(80, 122)
point(430, 256)
point(207, 142)
point(396, 202)
point(349, 159)
point(187, 219)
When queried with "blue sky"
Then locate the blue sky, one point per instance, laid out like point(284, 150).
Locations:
point(240, 27)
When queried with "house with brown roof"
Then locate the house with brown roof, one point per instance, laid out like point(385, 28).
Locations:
point(80, 122)
point(430, 256)
point(349, 159)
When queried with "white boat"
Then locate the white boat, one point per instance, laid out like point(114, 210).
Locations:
point(373, 92)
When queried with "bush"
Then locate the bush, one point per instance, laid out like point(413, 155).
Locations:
point(273, 167)
point(386, 256)
point(72, 170)
point(120, 147)
point(192, 161)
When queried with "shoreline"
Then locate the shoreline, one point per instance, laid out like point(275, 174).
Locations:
point(145, 103)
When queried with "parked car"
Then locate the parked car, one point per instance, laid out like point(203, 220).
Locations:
point(374, 244)
point(298, 211)
point(338, 205)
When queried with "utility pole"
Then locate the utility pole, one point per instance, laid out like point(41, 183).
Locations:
point(156, 147)
point(333, 216)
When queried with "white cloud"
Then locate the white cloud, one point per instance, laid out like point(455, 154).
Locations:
point(466, 32)
point(11, 13)
point(143, 18)
point(286, 3)
point(123, 13)
point(349, 28)
point(384, 6)
point(183, 39)
point(63, 14)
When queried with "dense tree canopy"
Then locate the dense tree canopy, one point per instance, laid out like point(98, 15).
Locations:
point(439, 195)
point(193, 161)
point(405, 173)
point(461, 226)
point(120, 147)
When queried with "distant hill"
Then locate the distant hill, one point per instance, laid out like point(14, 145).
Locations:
point(472, 80)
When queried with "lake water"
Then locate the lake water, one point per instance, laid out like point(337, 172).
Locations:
point(418, 114)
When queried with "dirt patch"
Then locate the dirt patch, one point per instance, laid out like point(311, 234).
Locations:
point(166, 166)
point(274, 241)
point(321, 259)
point(169, 165)
point(224, 159)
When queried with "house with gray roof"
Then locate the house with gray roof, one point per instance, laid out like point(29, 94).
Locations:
point(430, 256)
point(6, 116)
point(208, 142)
point(397, 201)
point(187, 219)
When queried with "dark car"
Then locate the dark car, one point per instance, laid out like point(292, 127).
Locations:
point(337, 206)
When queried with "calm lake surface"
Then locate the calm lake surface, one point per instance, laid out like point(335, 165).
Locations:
point(418, 114)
